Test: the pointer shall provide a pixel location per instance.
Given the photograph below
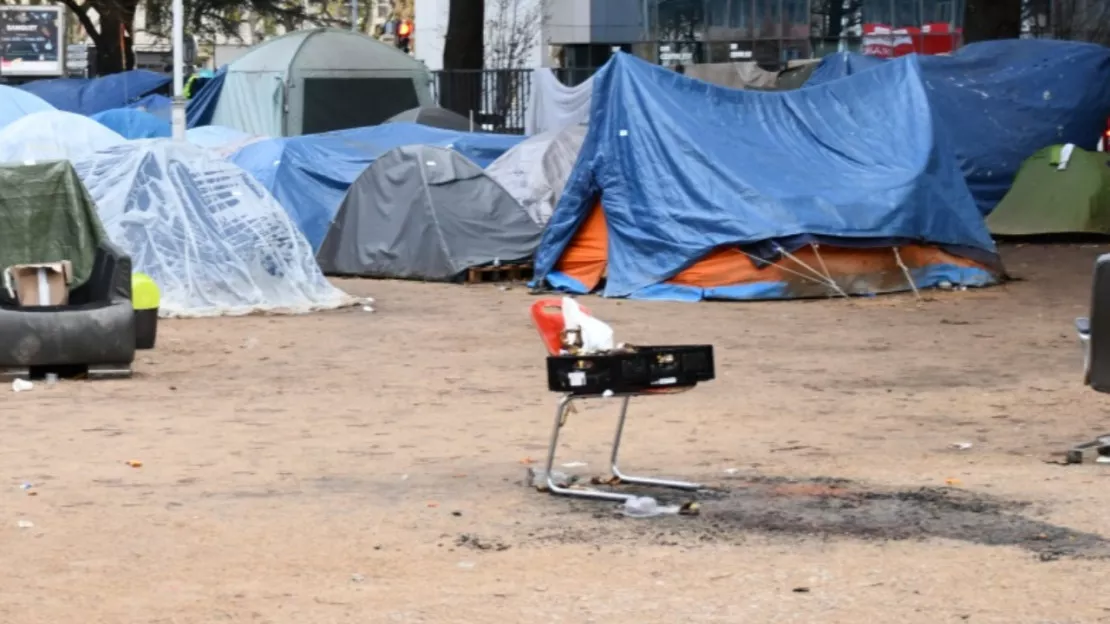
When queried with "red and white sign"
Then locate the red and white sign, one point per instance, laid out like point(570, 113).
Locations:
point(886, 42)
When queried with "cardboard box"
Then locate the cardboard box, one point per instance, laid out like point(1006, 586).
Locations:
point(41, 284)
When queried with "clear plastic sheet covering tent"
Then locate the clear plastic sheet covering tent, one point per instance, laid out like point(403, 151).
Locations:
point(210, 236)
point(309, 174)
point(89, 96)
point(132, 123)
point(1001, 101)
point(535, 171)
point(54, 135)
point(17, 103)
point(733, 75)
point(553, 105)
point(220, 139)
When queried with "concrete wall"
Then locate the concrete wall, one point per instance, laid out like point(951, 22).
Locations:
point(595, 21)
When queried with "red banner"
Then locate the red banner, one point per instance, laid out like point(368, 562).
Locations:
point(886, 42)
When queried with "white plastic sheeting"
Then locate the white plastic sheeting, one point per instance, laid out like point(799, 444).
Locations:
point(212, 238)
point(535, 171)
point(221, 139)
point(554, 106)
point(54, 135)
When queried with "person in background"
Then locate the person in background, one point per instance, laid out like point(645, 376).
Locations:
point(680, 68)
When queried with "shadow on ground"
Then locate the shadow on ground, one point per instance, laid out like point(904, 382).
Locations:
point(829, 508)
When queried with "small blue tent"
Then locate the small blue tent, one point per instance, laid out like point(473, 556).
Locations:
point(134, 124)
point(680, 170)
point(310, 174)
point(158, 105)
point(88, 96)
point(16, 104)
point(1002, 101)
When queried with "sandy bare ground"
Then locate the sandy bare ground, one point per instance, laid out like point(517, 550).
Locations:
point(358, 467)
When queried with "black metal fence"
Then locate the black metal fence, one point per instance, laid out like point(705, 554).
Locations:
point(495, 99)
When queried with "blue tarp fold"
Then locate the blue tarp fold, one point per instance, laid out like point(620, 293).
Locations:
point(310, 174)
point(684, 167)
point(1001, 101)
point(134, 124)
point(88, 96)
point(203, 104)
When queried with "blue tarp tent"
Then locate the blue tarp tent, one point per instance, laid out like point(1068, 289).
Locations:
point(89, 96)
point(16, 104)
point(216, 136)
point(1001, 101)
point(310, 174)
point(684, 169)
point(158, 105)
point(134, 124)
point(202, 106)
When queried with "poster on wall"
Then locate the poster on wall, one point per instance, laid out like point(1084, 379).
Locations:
point(886, 42)
point(31, 41)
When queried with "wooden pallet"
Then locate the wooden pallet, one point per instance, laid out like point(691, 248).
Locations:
point(500, 273)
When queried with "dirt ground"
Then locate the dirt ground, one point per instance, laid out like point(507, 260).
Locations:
point(367, 467)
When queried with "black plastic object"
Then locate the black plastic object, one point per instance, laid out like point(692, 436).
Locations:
point(96, 326)
point(630, 372)
point(146, 328)
point(1098, 369)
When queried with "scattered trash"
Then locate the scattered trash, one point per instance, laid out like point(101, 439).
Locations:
point(731, 471)
point(961, 446)
point(527, 461)
point(952, 481)
point(21, 385)
point(25, 524)
point(26, 486)
point(646, 507)
point(593, 334)
point(945, 285)
point(800, 590)
point(433, 504)
point(466, 565)
point(538, 479)
point(51, 379)
point(575, 464)
point(1102, 459)
point(357, 578)
point(134, 463)
point(607, 394)
point(367, 308)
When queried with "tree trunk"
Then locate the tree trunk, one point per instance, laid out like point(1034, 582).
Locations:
point(985, 20)
point(460, 84)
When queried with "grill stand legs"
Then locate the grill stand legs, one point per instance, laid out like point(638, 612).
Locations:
point(560, 419)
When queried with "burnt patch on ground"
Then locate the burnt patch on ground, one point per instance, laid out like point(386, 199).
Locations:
point(829, 508)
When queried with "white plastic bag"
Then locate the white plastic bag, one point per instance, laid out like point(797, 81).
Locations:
point(597, 336)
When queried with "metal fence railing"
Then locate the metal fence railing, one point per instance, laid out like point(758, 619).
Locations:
point(495, 99)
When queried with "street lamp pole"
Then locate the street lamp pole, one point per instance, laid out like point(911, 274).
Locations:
point(178, 111)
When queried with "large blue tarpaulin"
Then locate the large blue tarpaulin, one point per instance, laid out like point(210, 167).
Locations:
point(203, 105)
point(1001, 101)
point(683, 167)
point(88, 96)
point(310, 174)
point(131, 123)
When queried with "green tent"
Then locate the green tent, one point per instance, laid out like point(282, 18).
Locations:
point(47, 215)
point(1048, 200)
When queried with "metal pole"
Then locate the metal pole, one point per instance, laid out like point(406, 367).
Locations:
point(354, 15)
point(178, 111)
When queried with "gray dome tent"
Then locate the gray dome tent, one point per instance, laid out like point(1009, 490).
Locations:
point(422, 212)
point(319, 80)
point(435, 117)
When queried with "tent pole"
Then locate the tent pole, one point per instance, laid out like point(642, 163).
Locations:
point(178, 111)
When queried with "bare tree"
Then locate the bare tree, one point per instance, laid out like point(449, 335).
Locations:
point(1080, 20)
point(512, 32)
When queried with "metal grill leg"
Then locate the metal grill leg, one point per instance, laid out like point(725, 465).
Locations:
point(549, 467)
point(668, 483)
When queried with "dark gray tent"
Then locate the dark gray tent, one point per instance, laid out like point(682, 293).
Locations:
point(422, 212)
point(433, 116)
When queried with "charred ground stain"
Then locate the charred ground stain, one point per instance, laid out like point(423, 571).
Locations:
point(828, 508)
